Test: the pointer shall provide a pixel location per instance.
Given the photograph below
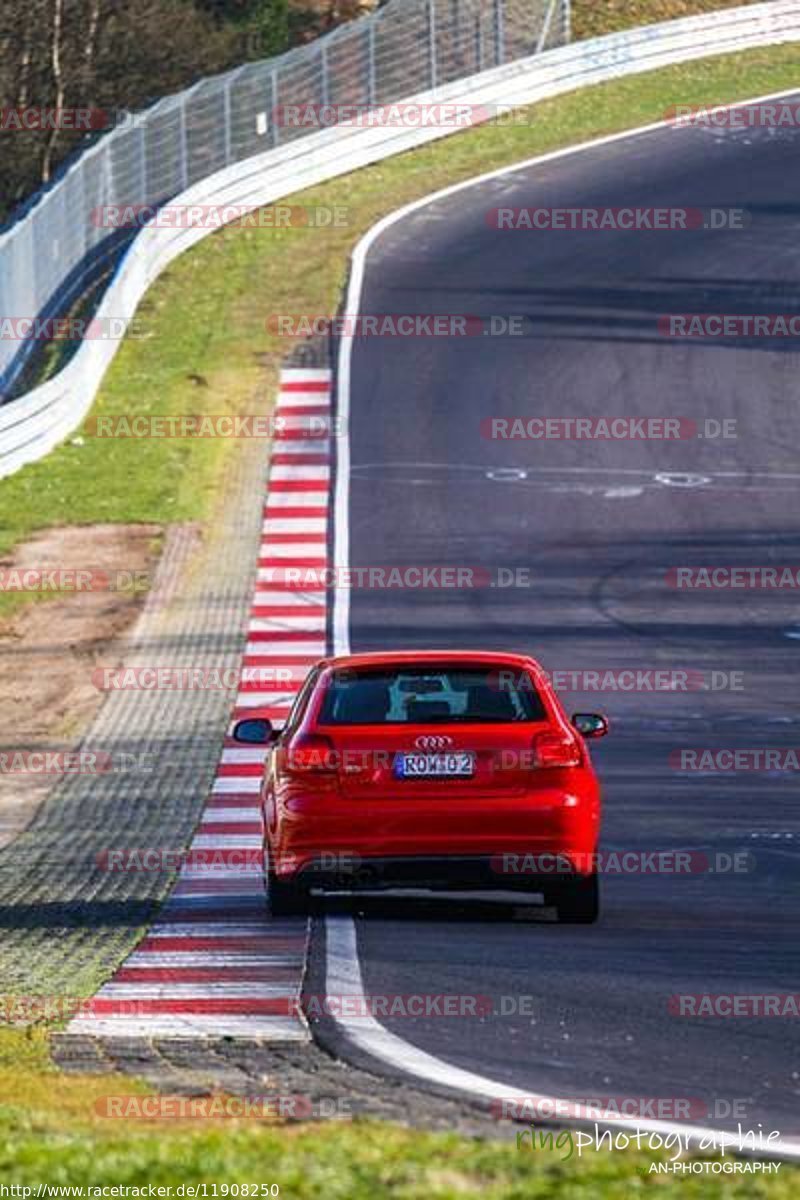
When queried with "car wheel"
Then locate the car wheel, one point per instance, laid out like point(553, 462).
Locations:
point(286, 897)
point(578, 903)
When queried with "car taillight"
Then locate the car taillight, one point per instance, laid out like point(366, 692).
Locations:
point(311, 753)
point(556, 750)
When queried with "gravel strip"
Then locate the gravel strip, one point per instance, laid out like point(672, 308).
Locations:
point(313, 1085)
point(65, 921)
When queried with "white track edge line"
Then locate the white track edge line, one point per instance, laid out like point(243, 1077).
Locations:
point(343, 978)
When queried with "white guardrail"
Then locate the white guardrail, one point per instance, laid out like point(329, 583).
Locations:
point(34, 424)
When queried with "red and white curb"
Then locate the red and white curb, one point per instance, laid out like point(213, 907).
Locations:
point(215, 963)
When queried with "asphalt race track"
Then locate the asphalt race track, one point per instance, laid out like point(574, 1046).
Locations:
point(599, 524)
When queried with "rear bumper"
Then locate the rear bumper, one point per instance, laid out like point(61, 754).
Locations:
point(501, 872)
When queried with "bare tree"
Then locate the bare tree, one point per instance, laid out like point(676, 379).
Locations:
point(95, 54)
point(58, 85)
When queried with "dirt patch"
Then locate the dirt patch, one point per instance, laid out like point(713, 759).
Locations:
point(48, 649)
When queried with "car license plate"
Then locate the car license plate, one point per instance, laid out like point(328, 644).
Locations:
point(456, 765)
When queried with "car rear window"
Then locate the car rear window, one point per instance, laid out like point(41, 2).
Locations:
point(434, 695)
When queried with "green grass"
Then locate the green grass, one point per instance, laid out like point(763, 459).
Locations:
point(50, 1132)
point(590, 18)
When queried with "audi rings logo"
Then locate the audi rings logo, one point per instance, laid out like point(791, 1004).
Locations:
point(433, 742)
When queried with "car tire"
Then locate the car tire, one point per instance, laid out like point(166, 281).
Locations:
point(286, 897)
point(578, 902)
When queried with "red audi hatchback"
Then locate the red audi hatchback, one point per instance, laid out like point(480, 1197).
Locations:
point(428, 769)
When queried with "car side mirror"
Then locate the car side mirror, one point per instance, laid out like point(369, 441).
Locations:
point(255, 731)
point(590, 725)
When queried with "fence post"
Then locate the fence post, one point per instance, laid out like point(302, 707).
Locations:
point(184, 147)
point(226, 101)
point(478, 42)
point(432, 40)
point(455, 25)
point(230, 80)
point(273, 80)
point(323, 62)
point(80, 175)
point(143, 161)
point(371, 88)
point(499, 33)
point(566, 22)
